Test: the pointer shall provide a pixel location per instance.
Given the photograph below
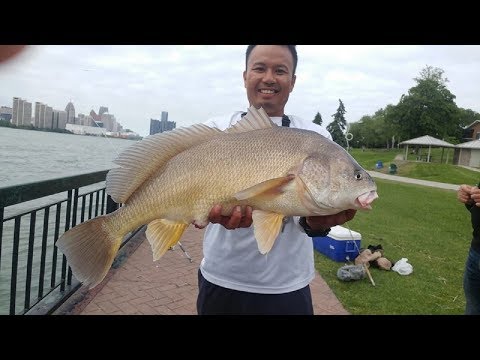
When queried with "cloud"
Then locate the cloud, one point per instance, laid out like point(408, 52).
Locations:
point(195, 82)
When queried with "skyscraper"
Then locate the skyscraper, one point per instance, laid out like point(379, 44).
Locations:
point(21, 112)
point(48, 122)
point(157, 126)
point(70, 109)
point(102, 110)
point(164, 116)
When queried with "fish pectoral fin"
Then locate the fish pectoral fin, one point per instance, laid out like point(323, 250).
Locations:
point(162, 234)
point(266, 227)
point(270, 187)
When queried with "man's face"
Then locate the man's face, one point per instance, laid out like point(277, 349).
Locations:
point(269, 78)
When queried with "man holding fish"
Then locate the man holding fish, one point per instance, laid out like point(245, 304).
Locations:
point(234, 277)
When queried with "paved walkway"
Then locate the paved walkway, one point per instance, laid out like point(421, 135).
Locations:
point(165, 287)
point(137, 285)
point(414, 181)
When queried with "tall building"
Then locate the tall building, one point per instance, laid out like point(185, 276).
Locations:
point(105, 120)
point(59, 119)
point(15, 110)
point(27, 113)
point(109, 121)
point(102, 110)
point(94, 115)
point(36, 121)
point(164, 116)
point(70, 109)
point(158, 126)
point(21, 112)
point(85, 120)
point(39, 118)
point(48, 117)
point(43, 116)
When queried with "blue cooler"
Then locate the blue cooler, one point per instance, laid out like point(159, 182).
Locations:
point(341, 244)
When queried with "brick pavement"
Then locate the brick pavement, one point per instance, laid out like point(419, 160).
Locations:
point(165, 287)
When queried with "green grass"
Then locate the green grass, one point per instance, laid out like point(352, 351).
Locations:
point(434, 171)
point(428, 226)
point(368, 158)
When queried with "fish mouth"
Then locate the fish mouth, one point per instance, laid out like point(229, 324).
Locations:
point(364, 201)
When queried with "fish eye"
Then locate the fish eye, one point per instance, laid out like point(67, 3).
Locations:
point(358, 176)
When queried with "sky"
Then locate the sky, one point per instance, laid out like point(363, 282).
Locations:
point(196, 82)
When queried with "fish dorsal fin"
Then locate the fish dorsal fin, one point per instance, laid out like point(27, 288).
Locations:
point(162, 234)
point(254, 120)
point(140, 160)
point(267, 188)
point(266, 227)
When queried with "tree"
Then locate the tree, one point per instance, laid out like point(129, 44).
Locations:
point(373, 131)
point(338, 125)
point(465, 118)
point(318, 119)
point(428, 108)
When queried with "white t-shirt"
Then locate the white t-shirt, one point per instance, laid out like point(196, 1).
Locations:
point(232, 259)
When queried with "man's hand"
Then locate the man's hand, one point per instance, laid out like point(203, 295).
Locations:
point(328, 221)
point(468, 195)
point(241, 217)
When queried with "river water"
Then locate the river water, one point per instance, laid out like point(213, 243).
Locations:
point(29, 156)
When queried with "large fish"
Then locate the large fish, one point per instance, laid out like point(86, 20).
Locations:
point(172, 179)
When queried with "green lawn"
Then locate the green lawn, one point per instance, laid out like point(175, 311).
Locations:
point(434, 171)
point(428, 226)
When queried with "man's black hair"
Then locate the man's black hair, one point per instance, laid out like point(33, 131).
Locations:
point(292, 49)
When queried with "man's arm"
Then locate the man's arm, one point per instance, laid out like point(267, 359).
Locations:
point(241, 217)
point(320, 225)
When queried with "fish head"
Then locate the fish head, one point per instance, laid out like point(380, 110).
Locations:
point(333, 181)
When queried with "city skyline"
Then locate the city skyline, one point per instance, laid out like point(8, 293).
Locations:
point(43, 116)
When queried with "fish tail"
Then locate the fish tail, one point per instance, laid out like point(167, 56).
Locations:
point(90, 249)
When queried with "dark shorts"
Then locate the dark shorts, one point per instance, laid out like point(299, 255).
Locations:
point(216, 300)
point(471, 283)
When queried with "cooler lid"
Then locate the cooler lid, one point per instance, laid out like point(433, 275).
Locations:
point(342, 233)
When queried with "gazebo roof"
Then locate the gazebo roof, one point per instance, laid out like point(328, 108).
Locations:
point(427, 140)
point(475, 144)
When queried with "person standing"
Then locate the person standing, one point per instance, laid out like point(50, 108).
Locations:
point(470, 196)
point(234, 277)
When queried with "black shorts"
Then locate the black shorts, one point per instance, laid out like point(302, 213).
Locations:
point(216, 300)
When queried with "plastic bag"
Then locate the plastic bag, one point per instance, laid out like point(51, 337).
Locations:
point(351, 272)
point(403, 267)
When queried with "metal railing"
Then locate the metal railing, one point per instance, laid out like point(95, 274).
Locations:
point(34, 277)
